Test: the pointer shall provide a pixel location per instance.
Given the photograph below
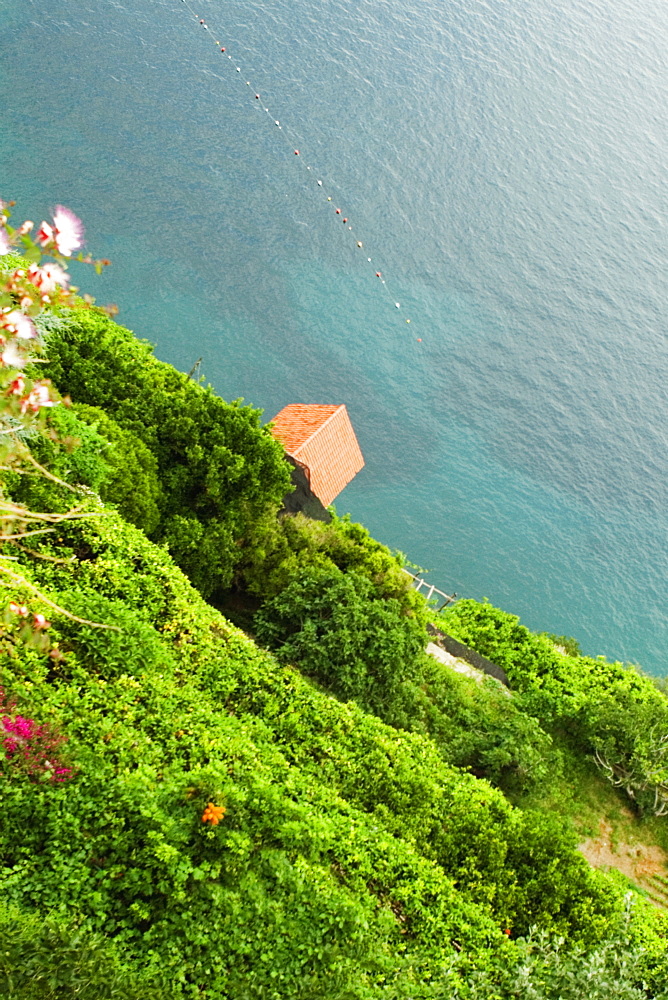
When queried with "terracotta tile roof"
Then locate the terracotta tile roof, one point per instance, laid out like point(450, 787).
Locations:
point(321, 438)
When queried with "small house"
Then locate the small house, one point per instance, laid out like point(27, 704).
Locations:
point(320, 441)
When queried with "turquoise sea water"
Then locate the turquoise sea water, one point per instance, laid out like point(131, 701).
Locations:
point(503, 163)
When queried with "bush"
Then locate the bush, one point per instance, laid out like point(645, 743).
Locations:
point(219, 470)
point(277, 551)
point(84, 446)
point(132, 480)
point(349, 855)
point(608, 711)
point(51, 958)
point(479, 727)
point(335, 628)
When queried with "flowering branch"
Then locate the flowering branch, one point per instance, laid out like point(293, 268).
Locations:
point(25, 292)
point(22, 582)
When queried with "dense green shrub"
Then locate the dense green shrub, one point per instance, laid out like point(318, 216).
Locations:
point(545, 969)
point(335, 628)
point(132, 482)
point(276, 551)
point(608, 710)
point(479, 727)
point(350, 858)
point(49, 958)
point(84, 446)
point(71, 450)
point(219, 470)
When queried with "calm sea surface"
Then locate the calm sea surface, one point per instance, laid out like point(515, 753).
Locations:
point(504, 164)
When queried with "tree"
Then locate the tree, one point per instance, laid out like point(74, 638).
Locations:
point(335, 628)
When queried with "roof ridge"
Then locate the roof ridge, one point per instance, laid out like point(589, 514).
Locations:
point(317, 429)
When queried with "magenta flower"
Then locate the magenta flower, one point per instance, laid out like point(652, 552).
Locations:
point(28, 747)
point(18, 730)
point(68, 231)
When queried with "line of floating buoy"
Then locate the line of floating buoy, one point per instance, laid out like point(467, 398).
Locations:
point(224, 50)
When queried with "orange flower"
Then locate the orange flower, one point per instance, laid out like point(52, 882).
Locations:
point(213, 814)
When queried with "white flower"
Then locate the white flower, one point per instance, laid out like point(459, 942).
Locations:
point(38, 398)
point(48, 278)
point(44, 234)
point(5, 245)
point(19, 324)
point(12, 357)
point(68, 231)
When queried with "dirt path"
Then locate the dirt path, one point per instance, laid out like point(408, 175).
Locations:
point(644, 864)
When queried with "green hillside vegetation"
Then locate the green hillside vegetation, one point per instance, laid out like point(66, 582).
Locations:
point(362, 849)
point(608, 711)
point(219, 472)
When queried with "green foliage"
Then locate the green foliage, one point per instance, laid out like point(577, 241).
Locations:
point(49, 958)
point(351, 862)
point(277, 551)
point(336, 629)
point(219, 471)
point(72, 451)
point(566, 643)
point(83, 446)
point(333, 625)
point(132, 480)
point(610, 711)
point(548, 969)
point(479, 727)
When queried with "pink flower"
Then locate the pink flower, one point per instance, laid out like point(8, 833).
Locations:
point(25, 227)
point(5, 245)
point(21, 609)
point(48, 278)
point(15, 389)
point(68, 231)
point(11, 356)
point(39, 621)
point(19, 324)
point(44, 234)
point(38, 398)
